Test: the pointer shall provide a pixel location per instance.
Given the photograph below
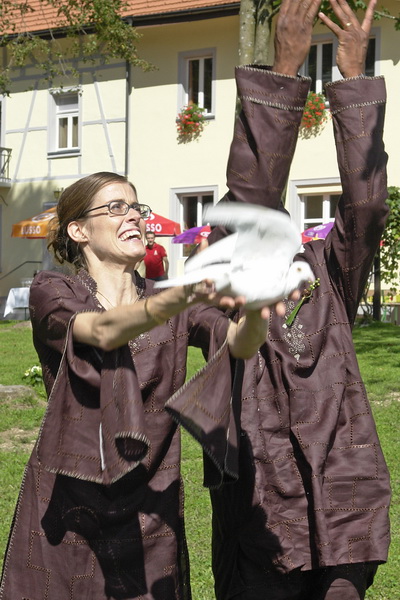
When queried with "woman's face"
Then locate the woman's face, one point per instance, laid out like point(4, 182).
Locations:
point(113, 238)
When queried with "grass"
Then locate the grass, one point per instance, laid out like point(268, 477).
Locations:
point(378, 349)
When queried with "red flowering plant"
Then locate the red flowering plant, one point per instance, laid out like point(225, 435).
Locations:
point(190, 123)
point(315, 114)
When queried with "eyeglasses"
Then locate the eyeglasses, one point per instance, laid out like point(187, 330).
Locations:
point(120, 207)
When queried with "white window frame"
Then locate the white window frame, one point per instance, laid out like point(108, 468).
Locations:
point(298, 188)
point(56, 113)
point(183, 78)
point(326, 209)
point(176, 211)
point(321, 39)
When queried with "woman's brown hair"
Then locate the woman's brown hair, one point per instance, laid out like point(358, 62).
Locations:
point(75, 200)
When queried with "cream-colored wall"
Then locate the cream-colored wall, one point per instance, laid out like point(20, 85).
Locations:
point(34, 175)
point(390, 69)
point(158, 162)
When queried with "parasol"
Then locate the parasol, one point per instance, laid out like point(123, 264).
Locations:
point(35, 227)
point(194, 235)
point(161, 225)
point(318, 232)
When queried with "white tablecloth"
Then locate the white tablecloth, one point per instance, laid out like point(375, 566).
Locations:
point(17, 298)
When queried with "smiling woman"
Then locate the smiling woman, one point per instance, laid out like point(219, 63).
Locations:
point(101, 500)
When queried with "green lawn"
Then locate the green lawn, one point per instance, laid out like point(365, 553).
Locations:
point(378, 348)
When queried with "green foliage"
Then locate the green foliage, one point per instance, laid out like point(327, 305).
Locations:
point(390, 251)
point(378, 351)
point(94, 29)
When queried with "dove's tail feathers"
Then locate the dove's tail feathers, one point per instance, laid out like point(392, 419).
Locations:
point(220, 252)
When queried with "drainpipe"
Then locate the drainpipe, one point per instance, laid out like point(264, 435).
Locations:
point(128, 91)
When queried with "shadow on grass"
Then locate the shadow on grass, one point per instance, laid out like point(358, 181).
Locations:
point(367, 341)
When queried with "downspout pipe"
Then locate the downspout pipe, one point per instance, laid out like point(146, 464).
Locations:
point(128, 91)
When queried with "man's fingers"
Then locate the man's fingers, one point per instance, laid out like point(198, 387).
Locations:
point(308, 10)
point(369, 16)
point(330, 24)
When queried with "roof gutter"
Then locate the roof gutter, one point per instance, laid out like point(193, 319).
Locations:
point(205, 12)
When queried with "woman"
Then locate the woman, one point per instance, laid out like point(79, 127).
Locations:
point(100, 513)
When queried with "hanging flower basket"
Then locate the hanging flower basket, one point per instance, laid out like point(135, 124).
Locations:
point(190, 123)
point(315, 114)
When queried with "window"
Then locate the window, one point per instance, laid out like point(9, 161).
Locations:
point(197, 79)
point(64, 129)
point(320, 64)
point(317, 209)
point(191, 211)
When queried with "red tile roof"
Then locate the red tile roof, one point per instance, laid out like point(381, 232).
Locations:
point(44, 16)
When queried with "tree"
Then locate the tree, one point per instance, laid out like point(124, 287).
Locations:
point(256, 18)
point(390, 250)
point(385, 267)
point(91, 28)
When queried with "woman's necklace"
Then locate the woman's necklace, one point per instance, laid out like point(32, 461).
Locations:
point(109, 301)
point(105, 298)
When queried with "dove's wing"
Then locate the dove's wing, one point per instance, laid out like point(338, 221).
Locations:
point(260, 230)
point(219, 253)
point(217, 273)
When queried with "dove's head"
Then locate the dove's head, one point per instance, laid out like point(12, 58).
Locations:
point(299, 272)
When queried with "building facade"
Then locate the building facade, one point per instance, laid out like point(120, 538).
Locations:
point(113, 117)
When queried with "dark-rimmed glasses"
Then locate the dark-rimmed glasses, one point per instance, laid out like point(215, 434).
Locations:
point(120, 207)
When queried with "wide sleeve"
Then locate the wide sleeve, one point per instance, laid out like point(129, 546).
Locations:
point(204, 405)
point(94, 427)
point(265, 137)
point(358, 111)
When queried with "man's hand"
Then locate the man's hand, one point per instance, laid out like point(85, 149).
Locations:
point(353, 36)
point(293, 34)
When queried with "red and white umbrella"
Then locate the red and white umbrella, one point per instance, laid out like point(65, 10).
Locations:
point(37, 226)
point(162, 226)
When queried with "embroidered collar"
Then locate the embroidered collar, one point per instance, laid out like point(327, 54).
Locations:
point(90, 284)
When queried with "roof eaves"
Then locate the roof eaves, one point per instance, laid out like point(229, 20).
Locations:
point(187, 14)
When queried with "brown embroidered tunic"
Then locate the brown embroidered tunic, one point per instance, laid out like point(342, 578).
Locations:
point(313, 487)
point(100, 514)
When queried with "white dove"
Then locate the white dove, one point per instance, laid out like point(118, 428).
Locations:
point(256, 261)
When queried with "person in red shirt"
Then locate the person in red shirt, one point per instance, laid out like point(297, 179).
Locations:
point(156, 260)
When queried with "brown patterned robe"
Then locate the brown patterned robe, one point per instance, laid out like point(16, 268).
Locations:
point(313, 487)
point(100, 513)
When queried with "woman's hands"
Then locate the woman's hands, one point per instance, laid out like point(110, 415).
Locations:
point(353, 36)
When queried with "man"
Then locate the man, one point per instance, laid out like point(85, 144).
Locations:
point(307, 518)
point(156, 260)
